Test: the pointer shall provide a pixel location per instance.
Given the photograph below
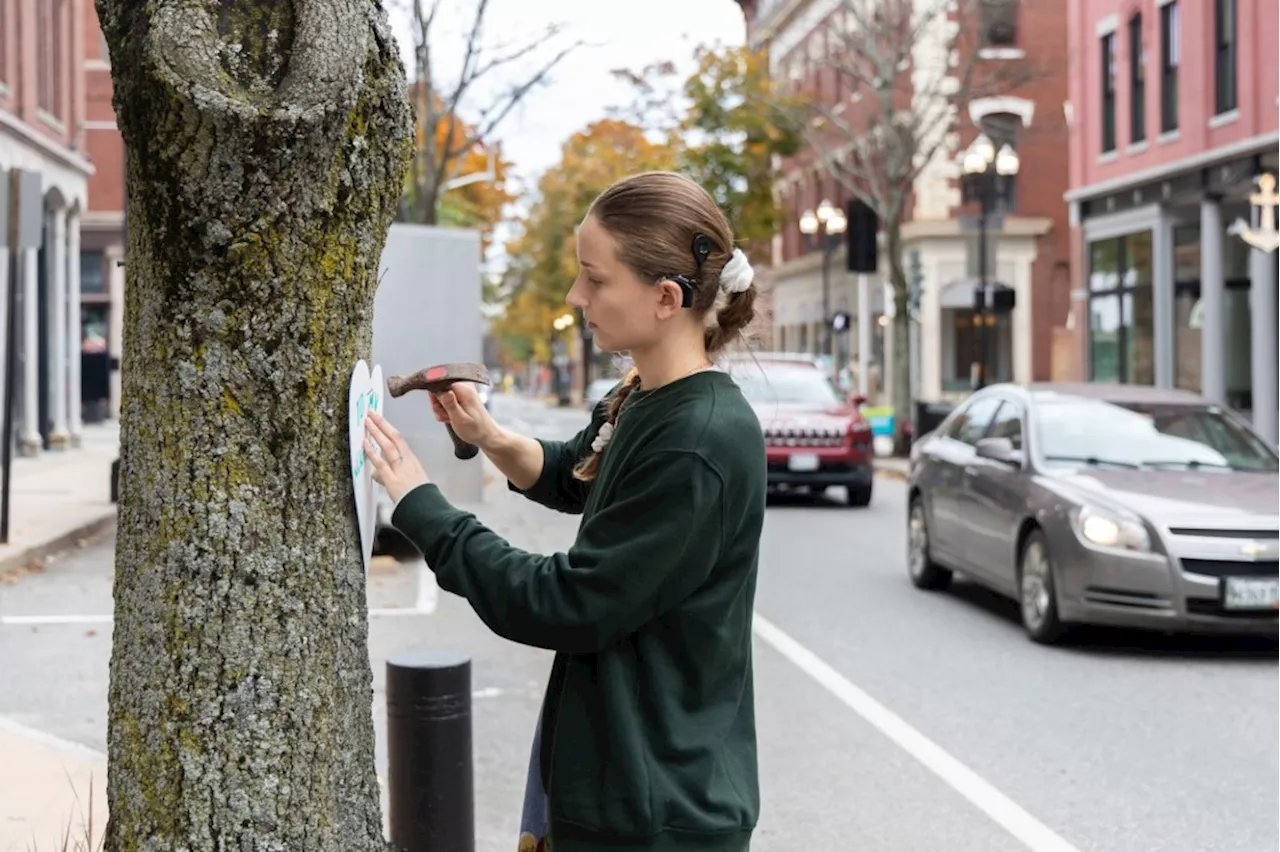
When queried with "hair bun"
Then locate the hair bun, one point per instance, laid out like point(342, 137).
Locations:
point(737, 274)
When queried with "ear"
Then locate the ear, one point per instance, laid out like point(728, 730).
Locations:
point(670, 298)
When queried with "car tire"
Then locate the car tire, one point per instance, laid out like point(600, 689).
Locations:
point(923, 571)
point(858, 497)
point(1037, 591)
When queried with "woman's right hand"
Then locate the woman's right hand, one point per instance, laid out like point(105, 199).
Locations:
point(462, 409)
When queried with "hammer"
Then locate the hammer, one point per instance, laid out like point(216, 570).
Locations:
point(438, 379)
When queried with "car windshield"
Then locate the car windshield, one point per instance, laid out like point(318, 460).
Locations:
point(784, 384)
point(1075, 431)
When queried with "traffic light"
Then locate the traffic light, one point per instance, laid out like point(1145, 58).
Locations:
point(860, 236)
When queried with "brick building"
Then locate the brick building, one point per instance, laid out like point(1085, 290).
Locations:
point(1175, 111)
point(1031, 250)
point(102, 227)
point(42, 113)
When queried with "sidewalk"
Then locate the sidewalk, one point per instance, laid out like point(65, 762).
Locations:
point(49, 793)
point(59, 497)
point(45, 781)
point(892, 467)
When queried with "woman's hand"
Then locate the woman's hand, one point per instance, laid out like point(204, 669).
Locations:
point(397, 469)
point(462, 409)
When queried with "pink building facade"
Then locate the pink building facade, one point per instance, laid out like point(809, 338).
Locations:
point(1173, 115)
point(42, 116)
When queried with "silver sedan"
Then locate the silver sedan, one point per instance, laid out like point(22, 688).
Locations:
point(1097, 504)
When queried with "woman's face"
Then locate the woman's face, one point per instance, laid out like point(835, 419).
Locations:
point(623, 312)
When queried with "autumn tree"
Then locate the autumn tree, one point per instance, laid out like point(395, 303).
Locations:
point(448, 144)
point(266, 146)
point(727, 122)
point(478, 194)
point(908, 67)
point(544, 253)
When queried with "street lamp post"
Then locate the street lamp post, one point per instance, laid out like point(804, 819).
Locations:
point(988, 180)
point(827, 223)
point(560, 358)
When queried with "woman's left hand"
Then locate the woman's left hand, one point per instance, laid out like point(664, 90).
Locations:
point(397, 469)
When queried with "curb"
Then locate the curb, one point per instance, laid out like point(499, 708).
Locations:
point(59, 543)
point(891, 473)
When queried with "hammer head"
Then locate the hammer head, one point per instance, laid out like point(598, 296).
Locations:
point(438, 378)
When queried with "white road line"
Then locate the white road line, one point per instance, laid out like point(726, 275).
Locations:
point(1006, 813)
point(54, 619)
point(428, 591)
point(67, 747)
point(44, 620)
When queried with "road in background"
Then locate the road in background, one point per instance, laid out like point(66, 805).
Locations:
point(926, 723)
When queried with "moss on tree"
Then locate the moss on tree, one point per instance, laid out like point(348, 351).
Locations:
point(266, 146)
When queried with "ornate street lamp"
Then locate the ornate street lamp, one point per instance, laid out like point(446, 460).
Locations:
point(825, 225)
point(988, 179)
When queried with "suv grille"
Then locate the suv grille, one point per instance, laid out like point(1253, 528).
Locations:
point(804, 437)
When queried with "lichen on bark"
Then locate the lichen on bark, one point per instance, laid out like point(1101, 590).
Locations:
point(266, 143)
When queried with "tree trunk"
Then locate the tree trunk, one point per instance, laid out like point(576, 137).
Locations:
point(900, 378)
point(266, 146)
point(428, 190)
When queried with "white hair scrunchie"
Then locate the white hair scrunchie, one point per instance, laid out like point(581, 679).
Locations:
point(737, 274)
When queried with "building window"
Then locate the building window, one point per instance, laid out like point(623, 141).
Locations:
point(1224, 38)
point(1170, 58)
point(1121, 318)
point(4, 41)
point(50, 28)
point(999, 23)
point(1108, 92)
point(92, 280)
point(1137, 81)
point(961, 330)
point(1189, 316)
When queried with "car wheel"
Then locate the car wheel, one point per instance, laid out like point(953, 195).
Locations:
point(858, 497)
point(924, 572)
point(1037, 595)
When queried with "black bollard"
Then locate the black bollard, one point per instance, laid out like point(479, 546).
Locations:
point(430, 785)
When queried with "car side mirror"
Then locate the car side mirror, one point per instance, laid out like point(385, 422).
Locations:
point(999, 450)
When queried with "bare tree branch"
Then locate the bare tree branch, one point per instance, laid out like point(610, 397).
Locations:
point(908, 67)
point(445, 137)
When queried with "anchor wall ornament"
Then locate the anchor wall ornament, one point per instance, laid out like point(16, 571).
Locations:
point(1266, 237)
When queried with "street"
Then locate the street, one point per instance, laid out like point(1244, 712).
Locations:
point(889, 718)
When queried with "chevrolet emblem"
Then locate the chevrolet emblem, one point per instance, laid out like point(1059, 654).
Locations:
point(1255, 549)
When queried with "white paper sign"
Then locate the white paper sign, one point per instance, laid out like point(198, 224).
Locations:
point(365, 395)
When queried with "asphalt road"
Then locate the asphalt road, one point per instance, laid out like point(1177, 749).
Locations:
point(889, 718)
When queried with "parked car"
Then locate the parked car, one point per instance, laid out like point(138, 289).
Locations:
point(1101, 504)
point(814, 437)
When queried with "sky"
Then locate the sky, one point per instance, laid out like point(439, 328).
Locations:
point(617, 35)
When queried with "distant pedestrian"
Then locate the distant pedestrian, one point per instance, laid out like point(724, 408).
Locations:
point(646, 739)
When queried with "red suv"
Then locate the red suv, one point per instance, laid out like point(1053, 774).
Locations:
point(814, 436)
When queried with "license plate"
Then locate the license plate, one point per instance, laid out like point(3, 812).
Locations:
point(1251, 593)
point(802, 462)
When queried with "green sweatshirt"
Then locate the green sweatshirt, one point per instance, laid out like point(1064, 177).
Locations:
point(648, 725)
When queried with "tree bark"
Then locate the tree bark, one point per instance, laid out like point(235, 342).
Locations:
point(900, 376)
point(266, 143)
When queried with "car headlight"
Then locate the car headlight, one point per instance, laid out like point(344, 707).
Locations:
point(1112, 530)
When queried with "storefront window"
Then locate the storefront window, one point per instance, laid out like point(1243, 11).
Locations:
point(1188, 314)
point(91, 278)
point(1186, 307)
point(1121, 315)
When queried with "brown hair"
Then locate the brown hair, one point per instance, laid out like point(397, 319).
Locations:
point(654, 217)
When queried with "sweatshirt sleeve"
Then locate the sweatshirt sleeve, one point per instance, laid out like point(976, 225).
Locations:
point(633, 560)
point(556, 487)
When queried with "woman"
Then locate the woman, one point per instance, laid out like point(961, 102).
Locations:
point(646, 739)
